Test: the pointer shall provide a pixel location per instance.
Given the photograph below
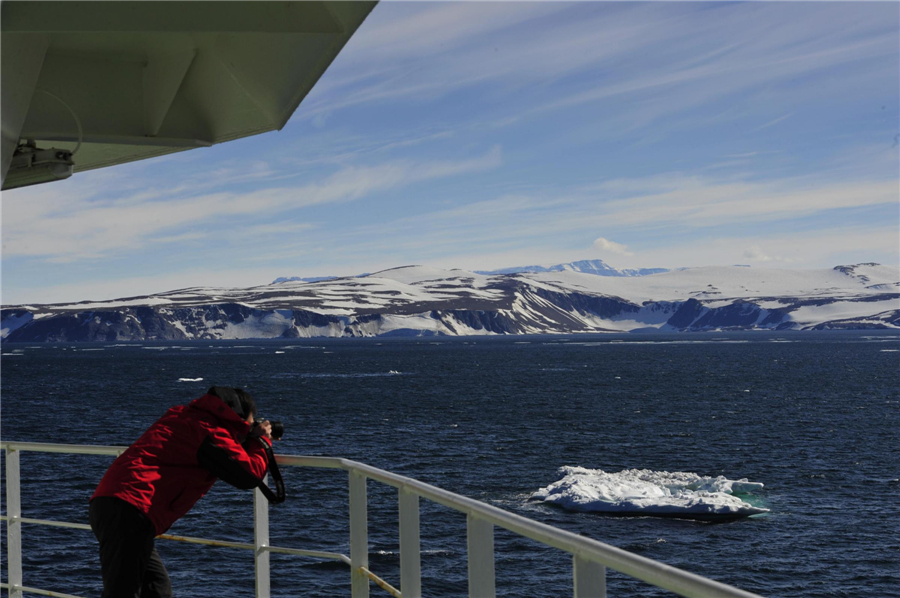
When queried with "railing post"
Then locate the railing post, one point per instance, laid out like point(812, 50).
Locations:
point(359, 536)
point(589, 578)
point(410, 555)
point(13, 525)
point(261, 542)
point(480, 543)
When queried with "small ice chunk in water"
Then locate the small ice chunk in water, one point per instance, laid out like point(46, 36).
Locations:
point(648, 492)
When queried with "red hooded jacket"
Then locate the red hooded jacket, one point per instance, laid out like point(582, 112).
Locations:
point(178, 459)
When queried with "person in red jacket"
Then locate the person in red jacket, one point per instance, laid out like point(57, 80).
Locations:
point(160, 477)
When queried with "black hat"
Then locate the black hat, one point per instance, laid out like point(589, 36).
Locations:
point(240, 401)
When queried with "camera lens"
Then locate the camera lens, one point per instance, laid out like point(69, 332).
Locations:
point(277, 430)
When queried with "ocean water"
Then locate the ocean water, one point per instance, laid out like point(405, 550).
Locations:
point(813, 416)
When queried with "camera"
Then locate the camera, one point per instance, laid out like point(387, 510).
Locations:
point(277, 427)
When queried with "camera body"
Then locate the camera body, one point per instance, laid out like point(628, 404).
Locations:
point(277, 428)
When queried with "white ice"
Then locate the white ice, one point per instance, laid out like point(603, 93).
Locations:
point(647, 492)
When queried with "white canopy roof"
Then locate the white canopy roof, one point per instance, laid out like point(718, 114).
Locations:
point(133, 80)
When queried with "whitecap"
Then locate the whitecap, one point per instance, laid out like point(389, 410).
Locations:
point(648, 492)
point(279, 352)
point(336, 375)
point(190, 379)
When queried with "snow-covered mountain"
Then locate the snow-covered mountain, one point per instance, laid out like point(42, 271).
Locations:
point(598, 267)
point(418, 300)
point(281, 279)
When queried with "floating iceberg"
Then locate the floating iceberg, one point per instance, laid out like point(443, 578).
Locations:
point(647, 492)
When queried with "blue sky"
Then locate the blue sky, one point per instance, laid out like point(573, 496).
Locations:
point(484, 135)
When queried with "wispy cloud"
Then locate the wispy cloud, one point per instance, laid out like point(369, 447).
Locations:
point(39, 224)
point(817, 248)
point(774, 122)
point(642, 212)
point(674, 61)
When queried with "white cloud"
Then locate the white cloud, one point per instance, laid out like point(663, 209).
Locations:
point(756, 254)
point(82, 227)
point(607, 246)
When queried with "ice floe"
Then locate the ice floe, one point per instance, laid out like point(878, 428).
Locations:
point(648, 492)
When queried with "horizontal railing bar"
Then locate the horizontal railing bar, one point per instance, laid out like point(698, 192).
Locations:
point(191, 540)
point(48, 522)
point(304, 461)
point(653, 572)
point(228, 544)
point(335, 556)
point(382, 584)
point(27, 590)
point(78, 449)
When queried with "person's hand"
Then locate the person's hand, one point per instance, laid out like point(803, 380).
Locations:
point(265, 427)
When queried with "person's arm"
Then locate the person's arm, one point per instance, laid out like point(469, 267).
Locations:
point(242, 466)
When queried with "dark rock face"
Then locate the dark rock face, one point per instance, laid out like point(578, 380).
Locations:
point(689, 311)
point(156, 327)
point(304, 319)
point(14, 318)
point(737, 315)
point(84, 326)
point(492, 321)
point(604, 307)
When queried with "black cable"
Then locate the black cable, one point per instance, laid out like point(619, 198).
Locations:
point(279, 495)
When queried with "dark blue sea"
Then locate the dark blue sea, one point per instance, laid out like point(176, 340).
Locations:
point(814, 416)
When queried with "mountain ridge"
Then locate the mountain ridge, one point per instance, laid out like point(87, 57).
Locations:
point(421, 300)
point(596, 267)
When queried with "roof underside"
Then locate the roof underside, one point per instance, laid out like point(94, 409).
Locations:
point(151, 78)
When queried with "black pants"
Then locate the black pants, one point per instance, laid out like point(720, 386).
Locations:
point(130, 565)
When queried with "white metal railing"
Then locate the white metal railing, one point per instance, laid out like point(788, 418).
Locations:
point(590, 558)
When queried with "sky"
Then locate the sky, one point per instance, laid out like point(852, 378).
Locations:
point(490, 135)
